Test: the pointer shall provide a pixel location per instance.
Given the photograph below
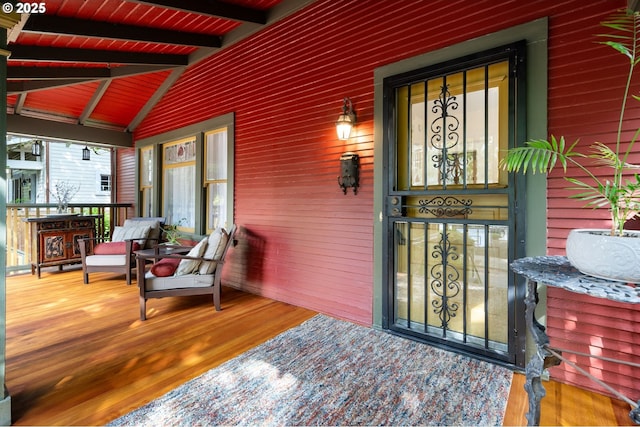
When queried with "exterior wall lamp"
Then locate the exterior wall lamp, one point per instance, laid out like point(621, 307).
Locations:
point(86, 153)
point(346, 120)
point(36, 148)
point(349, 162)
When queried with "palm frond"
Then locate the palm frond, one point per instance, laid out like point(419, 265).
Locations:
point(540, 155)
point(596, 196)
point(626, 26)
point(605, 155)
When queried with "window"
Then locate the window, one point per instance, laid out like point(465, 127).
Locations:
point(178, 183)
point(186, 176)
point(146, 181)
point(215, 178)
point(105, 183)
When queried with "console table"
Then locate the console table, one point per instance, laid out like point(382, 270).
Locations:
point(54, 239)
point(558, 272)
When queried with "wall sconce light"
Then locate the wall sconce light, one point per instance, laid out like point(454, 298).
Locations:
point(346, 120)
point(349, 172)
point(36, 148)
point(86, 153)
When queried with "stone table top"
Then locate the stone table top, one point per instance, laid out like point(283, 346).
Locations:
point(558, 272)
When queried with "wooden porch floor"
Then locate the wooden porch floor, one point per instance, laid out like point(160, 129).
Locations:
point(79, 355)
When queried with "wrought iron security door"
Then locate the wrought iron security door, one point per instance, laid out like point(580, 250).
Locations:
point(450, 220)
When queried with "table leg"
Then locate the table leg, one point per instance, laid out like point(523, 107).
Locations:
point(635, 413)
point(541, 360)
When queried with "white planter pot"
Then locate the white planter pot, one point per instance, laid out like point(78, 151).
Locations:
point(596, 253)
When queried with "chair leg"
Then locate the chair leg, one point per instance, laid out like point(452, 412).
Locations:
point(128, 276)
point(86, 277)
point(143, 308)
point(216, 297)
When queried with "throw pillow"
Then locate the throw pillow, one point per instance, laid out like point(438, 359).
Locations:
point(154, 231)
point(188, 266)
point(223, 242)
point(165, 267)
point(215, 247)
point(113, 248)
point(120, 234)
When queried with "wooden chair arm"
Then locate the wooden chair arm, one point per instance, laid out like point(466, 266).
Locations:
point(176, 256)
point(86, 239)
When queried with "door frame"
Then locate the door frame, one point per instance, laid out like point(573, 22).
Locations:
point(536, 35)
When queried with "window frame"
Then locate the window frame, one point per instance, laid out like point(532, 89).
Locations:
point(145, 189)
point(109, 180)
point(208, 182)
point(167, 165)
point(199, 130)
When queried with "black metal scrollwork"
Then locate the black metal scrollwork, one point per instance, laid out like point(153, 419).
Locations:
point(445, 130)
point(441, 206)
point(445, 280)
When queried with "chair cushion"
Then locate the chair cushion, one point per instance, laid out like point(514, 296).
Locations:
point(113, 248)
point(215, 246)
point(188, 266)
point(153, 283)
point(165, 267)
point(154, 230)
point(121, 234)
point(106, 260)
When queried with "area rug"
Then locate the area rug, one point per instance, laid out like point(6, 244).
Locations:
point(332, 372)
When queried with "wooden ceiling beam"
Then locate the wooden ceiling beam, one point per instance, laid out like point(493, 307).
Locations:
point(14, 87)
point(56, 73)
point(93, 102)
point(159, 93)
point(20, 103)
point(215, 8)
point(59, 54)
point(50, 24)
point(75, 73)
point(66, 131)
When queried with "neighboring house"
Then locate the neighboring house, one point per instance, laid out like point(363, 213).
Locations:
point(32, 178)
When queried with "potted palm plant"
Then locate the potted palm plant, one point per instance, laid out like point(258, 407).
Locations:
point(613, 253)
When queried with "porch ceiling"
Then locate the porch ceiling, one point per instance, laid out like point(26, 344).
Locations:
point(92, 70)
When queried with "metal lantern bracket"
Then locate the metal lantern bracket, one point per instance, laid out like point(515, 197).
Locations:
point(349, 172)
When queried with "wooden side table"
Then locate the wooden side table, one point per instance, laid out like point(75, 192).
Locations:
point(558, 272)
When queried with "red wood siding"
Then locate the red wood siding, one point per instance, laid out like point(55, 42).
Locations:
point(584, 102)
point(307, 243)
point(125, 184)
point(600, 328)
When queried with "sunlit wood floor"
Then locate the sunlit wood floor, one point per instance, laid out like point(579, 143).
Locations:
point(79, 355)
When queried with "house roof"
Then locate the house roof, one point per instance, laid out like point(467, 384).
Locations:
point(91, 70)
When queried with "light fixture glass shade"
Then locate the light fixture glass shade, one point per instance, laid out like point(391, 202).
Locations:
point(346, 120)
point(343, 126)
point(86, 153)
point(36, 148)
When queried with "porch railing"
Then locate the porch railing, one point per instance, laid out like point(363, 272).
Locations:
point(19, 238)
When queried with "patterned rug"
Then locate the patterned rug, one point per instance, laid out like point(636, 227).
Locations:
point(331, 372)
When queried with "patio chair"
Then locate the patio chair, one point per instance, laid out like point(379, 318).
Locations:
point(118, 255)
point(196, 273)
